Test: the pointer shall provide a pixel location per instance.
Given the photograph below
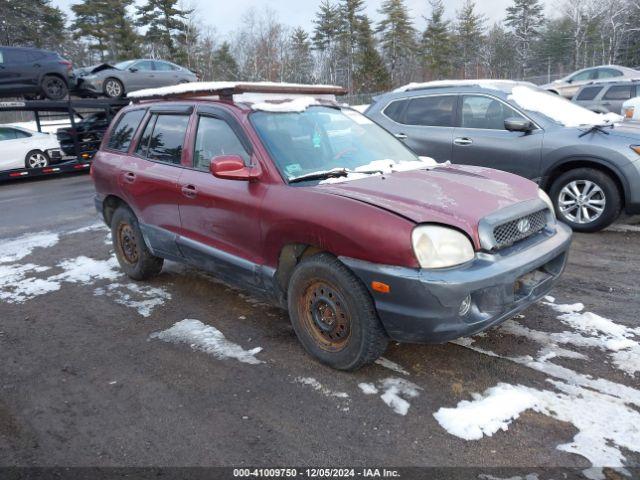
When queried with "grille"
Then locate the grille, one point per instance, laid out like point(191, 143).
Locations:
point(513, 231)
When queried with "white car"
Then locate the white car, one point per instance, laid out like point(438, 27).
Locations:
point(23, 148)
point(631, 109)
point(569, 85)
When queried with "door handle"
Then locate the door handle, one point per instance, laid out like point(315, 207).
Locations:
point(401, 136)
point(463, 141)
point(130, 177)
point(189, 191)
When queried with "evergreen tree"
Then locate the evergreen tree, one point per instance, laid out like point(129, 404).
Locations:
point(225, 66)
point(300, 57)
point(436, 48)
point(524, 18)
point(325, 40)
point(165, 21)
point(371, 74)
point(31, 23)
point(469, 36)
point(397, 39)
point(125, 41)
point(498, 54)
point(354, 28)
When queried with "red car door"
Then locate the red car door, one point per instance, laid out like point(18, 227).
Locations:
point(221, 218)
point(150, 177)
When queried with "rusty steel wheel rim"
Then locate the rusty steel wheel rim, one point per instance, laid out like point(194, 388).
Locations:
point(127, 243)
point(325, 317)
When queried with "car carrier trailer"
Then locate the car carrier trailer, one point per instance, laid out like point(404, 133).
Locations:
point(84, 144)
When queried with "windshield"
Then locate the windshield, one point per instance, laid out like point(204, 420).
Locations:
point(558, 108)
point(320, 138)
point(124, 65)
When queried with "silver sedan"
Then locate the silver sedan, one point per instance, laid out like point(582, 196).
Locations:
point(114, 81)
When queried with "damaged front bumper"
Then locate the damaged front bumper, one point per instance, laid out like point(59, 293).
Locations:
point(432, 306)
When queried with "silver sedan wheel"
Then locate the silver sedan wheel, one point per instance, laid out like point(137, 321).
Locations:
point(582, 201)
point(37, 160)
point(113, 88)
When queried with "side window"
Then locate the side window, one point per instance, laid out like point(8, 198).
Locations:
point(586, 75)
point(609, 73)
point(163, 138)
point(163, 66)
point(7, 134)
point(144, 65)
point(620, 92)
point(215, 137)
point(14, 57)
point(394, 110)
point(588, 93)
point(124, 131)
point(21, 134)
point(485, 112)
point(435, 111)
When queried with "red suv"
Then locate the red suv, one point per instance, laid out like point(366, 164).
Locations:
point(283, 191)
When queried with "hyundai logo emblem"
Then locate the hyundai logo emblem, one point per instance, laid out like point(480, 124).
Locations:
point(524, 225)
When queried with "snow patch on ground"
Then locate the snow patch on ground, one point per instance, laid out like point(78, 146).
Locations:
point(17, 283)
point(395, 393)
point(344, 400)
point(87, 270)
point(386, 363)
point(142, 298)
point(20, 247)
point(207, 339)
point(494, 410)
point(604, 412)
point(89, 228)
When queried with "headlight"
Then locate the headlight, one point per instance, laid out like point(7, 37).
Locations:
point(628, 112)
point(440, 247)
point(545, 198)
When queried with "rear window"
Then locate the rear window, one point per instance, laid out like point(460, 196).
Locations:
point(124, 131)
point(588, 93)
point(394, 110)
point(163, 138)
point(620, 92)
point(435, 111)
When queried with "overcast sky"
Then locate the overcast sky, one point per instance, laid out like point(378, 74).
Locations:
point(225, 15)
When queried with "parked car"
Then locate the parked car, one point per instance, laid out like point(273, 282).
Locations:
point(605, 97)
point(314, 206)
point(569, 85)
point(587, 162)
point(115, 81)
point(631, 109)
point(22, 148)
point(33, 72)
point(88, 132)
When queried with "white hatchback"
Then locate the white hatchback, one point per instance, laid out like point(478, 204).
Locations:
point(23, 148)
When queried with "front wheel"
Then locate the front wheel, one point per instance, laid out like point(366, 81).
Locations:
point(113, 88)
point(333, 314)
point(36, 159)
point(586, 199)
point(132, 253)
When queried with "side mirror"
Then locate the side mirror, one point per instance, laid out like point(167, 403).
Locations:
point(569, 80)
point(133, 69)
point(514, 124)
point(232, 167)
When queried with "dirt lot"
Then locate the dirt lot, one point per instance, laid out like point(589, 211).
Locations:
point(91, 375)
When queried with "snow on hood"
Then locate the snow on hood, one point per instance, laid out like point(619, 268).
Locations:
point(205, 87)
point(558, 108)
point(384, 167)
point(492, 84)
point(455, 195)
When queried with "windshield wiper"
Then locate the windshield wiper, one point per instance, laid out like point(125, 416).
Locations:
point(333, 173)
point(596, 128)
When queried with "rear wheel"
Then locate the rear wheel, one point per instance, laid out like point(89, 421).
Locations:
point(54, 88)
point(333, 314)
point(36, 159)
point(132, 253)
point(113, 88)
point(586, 199)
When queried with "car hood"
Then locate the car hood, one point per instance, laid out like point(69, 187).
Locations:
point(93, 69)
point(454, 195)
point(626, 130)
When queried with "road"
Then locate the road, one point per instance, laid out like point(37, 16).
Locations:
point(85, 382)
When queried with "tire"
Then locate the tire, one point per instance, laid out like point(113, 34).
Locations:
point(132, 253)
point(54, 87)
point(36, 159)
point(602, 202)
point(333, 314)
point(113, 88)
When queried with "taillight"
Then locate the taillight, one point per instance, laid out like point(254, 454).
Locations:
point(68, 64)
